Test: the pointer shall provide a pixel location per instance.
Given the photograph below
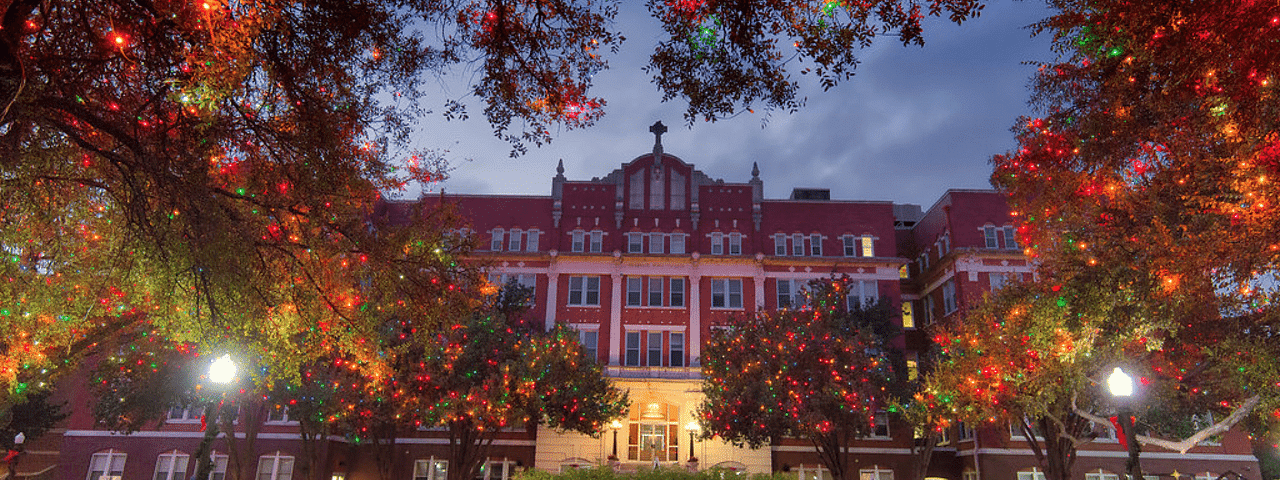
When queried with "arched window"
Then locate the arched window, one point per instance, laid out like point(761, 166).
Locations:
point(106, 465)
point(171, 465)
point(275, 466)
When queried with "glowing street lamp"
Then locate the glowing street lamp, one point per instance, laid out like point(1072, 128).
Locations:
point(615, 426)
point(1121, 386)
point(222, 372)
point(692, 427)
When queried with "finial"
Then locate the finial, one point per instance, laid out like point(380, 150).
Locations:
point(560, 167)
point(755, 170)
point(657, 129)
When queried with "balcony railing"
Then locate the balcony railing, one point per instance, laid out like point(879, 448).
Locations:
point(677, 373)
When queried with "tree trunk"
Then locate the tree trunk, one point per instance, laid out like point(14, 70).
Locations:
point(832, 449)
point(923, 451)
point(468, 450)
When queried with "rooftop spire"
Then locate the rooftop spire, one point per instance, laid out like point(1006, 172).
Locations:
point(657, 129)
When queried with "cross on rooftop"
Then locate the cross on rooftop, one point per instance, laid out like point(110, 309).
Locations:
point(657, 129)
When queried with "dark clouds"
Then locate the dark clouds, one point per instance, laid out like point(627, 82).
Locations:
point(912, 123)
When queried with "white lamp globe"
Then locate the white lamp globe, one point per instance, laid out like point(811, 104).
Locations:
point(222, 370)
point(1119, 383)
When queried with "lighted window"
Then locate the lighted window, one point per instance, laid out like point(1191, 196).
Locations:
point(275, 466)
point(989, 234)
point(779, 244)
point(655, 291)
point(108, 465)
point(677, 243)
point(676, 349)
point(875, 473)
point(635, 242)
point(579, 241)
point(815, 245)
point(514, 244)
point(655, 349)
point(913, 370)
point(797, 244)
point(496, 243)
point(171, 465)
point(676, 292)
point(430, 469)
point(656, 242)
point(908, 315)
point(634, 293)
point(903, 272)
point(868, 246)
point(717, 243)
point(584, 290)
point(590, 340)
point(633, 349)
point(726, 293)
point(735, 244)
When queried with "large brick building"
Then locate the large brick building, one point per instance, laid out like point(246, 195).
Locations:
point(644, 262)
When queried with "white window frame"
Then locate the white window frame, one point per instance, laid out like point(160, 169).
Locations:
point(584, 291)
point(635, 291)
point(815, 245)
point(219, 471)
point(277, 460)
point(865, 292)
point(717, 243)
point(495, 244)
point(868, 246)
point(1010, 238)
point(989, 236)
point(110, 463)
point(850, 245)
point(964, 431)
point(486, 470)
point(675, 290)
point(723, 290)
point(590, 341)
point(635, 242)
point(875, 473)
point(578, 244)
point(430, 469)
point(880, 426)
point(785, 296)
point(1032, 473)
point(949, 303)
point(514, 239)
point(656, 242)
point(636, 202)
point(172, 465)
point(531, 240)
point(653, 350)
point(597, 241)
point(189, 414)
point(1100, 474)
point(926, 310)
point(677, 243)
point(735, 244)
point(675, 349)
point(280, 415)
point(780, 244)
point(797, 245)
point(658, 283)
point(631, 353)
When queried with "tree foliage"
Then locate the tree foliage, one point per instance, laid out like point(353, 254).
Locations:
point(820, 373)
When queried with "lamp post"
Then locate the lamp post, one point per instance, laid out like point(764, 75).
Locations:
point(1120, 385)
point(222, 371)
point(12, 457)
point(615, 426)
point(692, 427)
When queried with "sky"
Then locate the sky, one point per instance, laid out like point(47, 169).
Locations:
point(911, 123)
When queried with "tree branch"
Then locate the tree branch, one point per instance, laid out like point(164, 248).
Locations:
point(1190, 442)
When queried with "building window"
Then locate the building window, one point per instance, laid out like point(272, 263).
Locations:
point(579, 242)
point(430, 469)
point(998, 280)
point(815, 245)
point(590, 340)
point(279, 414)
point(944, 244)
point(676, 349)
point(726, 293)
point(969, 475)
point(1010, 241)
point(903, 272)
point(655, 291)
point(496, 244)
point(850, 245)
point(183, 414)
point(656, 192)
point(276, 466)
point(655, 349)
point(989, 234)
point(637, 190)
point(597, 241)
point(949, 297)
point(875, 473)
point(635, 242)
point(965, 431)
point(677, 190)
point(735, 244)
point(797, 244)
point(656, 241)
point(784, 293)
point(913, 369)
point(813, 472)
point(926, 312)
point(1032, 473)
point(1101, 474)
point(677, 243)
point(108, 465)
point(634, 293)
point(531, 241)
point(779, 244)
point(923, 261)
point(514, 244)
point(880, 425)
point(219, 466)
point(676, 292)
point(717, 243)
point(496, 470)
point(868, 246)
point(908, 315)
point(584, 291)
point(171, 465)
point(863, 293)
point(633, 349)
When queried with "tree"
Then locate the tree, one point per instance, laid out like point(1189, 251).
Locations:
point(1147, 191)
point(819, 373)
